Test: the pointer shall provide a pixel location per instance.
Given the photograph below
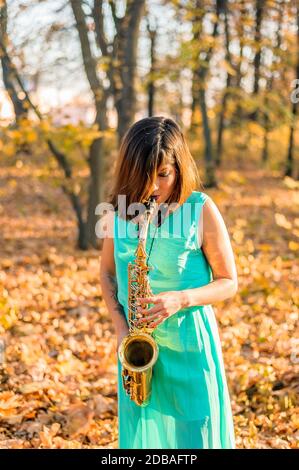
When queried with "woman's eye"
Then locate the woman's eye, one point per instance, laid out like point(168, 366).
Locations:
point(164, 174)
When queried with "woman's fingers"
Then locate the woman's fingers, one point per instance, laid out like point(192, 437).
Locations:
point(158, 317)
point(157, 322)
point(148, 318)
point(150, 311)
point(147, 300)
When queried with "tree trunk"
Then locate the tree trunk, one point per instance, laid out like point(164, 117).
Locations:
point(210, 180)
point(10, 84)
point(151, 82)
point(126, 55)
point(269, 86)
point(96, 150)
point(259, 9)
point(226, 91)
point(289, 169)
point(197, 24)
point(238, 115)
point(96, 188)
point(200, 77)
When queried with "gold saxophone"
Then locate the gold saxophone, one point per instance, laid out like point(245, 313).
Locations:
point(138, 351)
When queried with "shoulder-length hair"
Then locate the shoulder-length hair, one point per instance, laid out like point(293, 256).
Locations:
point(148, 144)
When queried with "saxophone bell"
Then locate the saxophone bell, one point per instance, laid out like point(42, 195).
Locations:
point(138, 353)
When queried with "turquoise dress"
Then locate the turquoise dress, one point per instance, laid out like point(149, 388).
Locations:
point(190, 404)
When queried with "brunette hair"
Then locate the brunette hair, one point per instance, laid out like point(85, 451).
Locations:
point(148, 144)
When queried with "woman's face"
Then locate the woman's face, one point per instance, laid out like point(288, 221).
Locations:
point(164, 183)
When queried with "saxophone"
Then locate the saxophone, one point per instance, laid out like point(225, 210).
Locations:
point(138, 351)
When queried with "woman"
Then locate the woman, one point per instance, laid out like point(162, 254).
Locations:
point(193, 266)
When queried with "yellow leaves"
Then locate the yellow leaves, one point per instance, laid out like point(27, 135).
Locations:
point(252, 429)
point(241, 222)
point(9, 401)
point(211, 113)
point(72, 186)
point(7, 320)
point(31, 136)
point(68, 364)
point(87, 136)
point(16, 135)
point(25, 133)
point(238, 233)
point(249, 246)
point(227, 66)
point(77, 188)
point(282, 221)
point(11, 407)
point(68, 137)
point(287, 402)
point(265, 247)
point(8, 312)
point(104, 63)
point(6, 263)
point(236, 177)
point(255, 129)
point(290, 182)
point(271, 300)
point(295, 420)
point(238, 236)
point(47, 434)
point(34, 387)
point(294, 246)
point(46, 126)
point(12, 183)
point(9, 149)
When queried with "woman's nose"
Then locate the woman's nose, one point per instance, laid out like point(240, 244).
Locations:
point(156, 186)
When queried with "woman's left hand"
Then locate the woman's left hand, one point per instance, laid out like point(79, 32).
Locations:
point(165, 305)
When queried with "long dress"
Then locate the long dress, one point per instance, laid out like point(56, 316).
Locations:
point(190, 405)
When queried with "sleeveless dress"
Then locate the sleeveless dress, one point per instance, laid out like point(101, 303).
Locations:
point(190, 404)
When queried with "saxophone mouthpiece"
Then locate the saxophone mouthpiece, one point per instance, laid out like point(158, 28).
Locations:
point(151, 202)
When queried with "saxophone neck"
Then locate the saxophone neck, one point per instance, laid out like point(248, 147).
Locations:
point(151, 207)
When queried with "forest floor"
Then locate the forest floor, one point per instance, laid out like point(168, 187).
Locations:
point(57, 345)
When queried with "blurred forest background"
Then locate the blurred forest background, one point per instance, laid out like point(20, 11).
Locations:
point(74, 75)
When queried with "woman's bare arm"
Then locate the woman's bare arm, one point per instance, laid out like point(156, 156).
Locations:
point(217, 249)
point(108, 279)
